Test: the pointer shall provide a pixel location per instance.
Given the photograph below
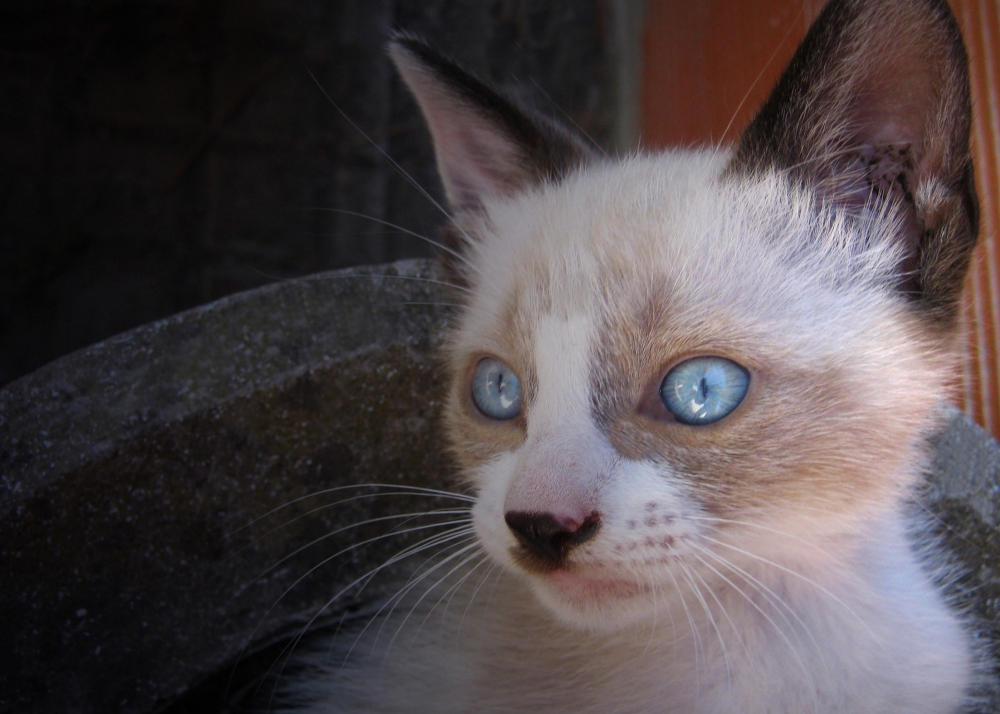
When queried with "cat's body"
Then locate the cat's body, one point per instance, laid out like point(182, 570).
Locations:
point(660, 556)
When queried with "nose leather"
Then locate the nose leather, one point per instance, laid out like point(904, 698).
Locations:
point(549, 537)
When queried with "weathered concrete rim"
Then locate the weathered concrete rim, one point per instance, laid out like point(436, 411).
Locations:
point(83, 404)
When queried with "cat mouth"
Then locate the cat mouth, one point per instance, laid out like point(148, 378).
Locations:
point(577, 587)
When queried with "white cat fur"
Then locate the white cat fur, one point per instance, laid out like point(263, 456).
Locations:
point(860, 627)
point(761, 564)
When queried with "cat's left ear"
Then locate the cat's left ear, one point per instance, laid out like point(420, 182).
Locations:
point(486, 146)
point(874, 109)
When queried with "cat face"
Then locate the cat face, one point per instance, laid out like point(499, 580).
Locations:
point(669, 364)
point(593, 291)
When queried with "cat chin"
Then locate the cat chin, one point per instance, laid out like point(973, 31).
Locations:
point(594, 604)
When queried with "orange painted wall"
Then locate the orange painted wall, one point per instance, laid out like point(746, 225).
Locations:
point(708, 65)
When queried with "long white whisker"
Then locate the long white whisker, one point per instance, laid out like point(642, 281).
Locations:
point(725, 613)
point(432, 304)
point(796, 538)
point(453, 590)
point(472, 546)
point(450, 592)
point(570, 119)
point(415, 579)
point(711, 619)
point(781, 633)
point(695, 635)
point(489, 571)
point(413, 182)
point(405, 553)
point(415, 490)
point(371, 573)
point(801, 577)
point(395, 226)
point(775, 599)
point(652, 630)
point(755, 82)
point(389, 276)
point(417, 514)
point(461, 537)
point(304, 629)
point(390, 534)
point(456, 534)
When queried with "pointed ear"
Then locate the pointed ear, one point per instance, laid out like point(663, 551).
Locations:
point(874, 107)
point(485, 145)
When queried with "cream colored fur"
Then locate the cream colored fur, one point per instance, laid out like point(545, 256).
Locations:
point(760, 565)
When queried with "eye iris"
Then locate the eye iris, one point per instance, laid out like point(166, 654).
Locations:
point(496, 390)
point(703, 390)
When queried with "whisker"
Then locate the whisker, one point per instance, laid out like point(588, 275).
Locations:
point(695, 634)
point(411, 582)
point(711, 619)
point(471, 546)
point(390, 534)
point(800, 576)
point(305, 629)
point(797, 538)
point(771, 596)
point(413, 182)
point(417, 576)
point(725, 613)
point(433, 512)
point(406, 552)
point(417, 278)
point(652, 629)
point(449, 593)
point(414, 490)
point(759, 609)
point(395, 226)
point(485, 576)
point(756, 81)
point(356, 276)
point(453, 590)
point(434, 304)
point(364, 579)
point(568, 118)
point(941, 522)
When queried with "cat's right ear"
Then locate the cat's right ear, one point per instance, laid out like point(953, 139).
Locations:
point(486, 146)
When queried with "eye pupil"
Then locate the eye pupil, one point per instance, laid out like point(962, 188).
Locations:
point(703, 390)
point(496, 390)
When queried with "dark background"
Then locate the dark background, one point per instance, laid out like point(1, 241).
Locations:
point(159, 154)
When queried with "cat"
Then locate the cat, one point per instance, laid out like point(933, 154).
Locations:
point(690, 397)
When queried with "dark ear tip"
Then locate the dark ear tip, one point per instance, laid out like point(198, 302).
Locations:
point(403, 45)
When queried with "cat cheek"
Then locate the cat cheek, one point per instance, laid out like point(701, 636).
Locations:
point(647, 495)
point(494, 479)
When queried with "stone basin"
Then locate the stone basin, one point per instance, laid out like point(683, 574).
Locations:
point(141, 552)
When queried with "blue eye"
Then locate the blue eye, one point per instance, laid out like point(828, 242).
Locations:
point(496, 389)
point(704, 389)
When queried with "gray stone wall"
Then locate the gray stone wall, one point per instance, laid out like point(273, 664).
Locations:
point(159, 155)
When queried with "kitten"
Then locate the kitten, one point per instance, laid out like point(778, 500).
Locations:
point(690, 396)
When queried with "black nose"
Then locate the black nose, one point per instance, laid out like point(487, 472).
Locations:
point(545, 536)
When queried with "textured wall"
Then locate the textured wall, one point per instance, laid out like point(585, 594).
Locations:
point(161, 154)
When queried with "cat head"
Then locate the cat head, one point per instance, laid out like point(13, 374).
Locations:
point(668, 364)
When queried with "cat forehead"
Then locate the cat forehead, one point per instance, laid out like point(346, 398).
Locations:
point(668, 236)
